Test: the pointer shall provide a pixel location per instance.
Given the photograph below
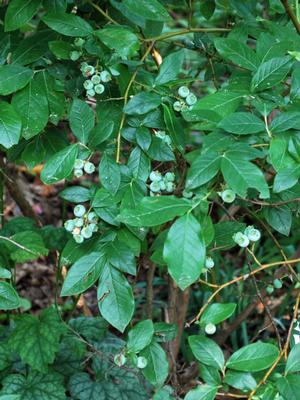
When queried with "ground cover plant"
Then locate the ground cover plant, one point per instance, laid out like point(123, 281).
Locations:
point(149, 199)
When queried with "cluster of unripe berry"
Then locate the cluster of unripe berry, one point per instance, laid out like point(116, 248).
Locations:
point(164, 137)
point(76, 54)
point(187, 99)
point(82, 166)
point(84, 225)
point(94, 82)
point(161, 183)
point(139, 361)
point(277, 284)
point(250, 234)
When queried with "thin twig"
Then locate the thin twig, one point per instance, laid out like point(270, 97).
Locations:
point(103, 13)
point(18, 245)
point(291, 14)
point(184, 32)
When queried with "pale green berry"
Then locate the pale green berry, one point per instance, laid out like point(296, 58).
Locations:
point(119, 359)
point(177, 106)
point(191, 99)
point(83, 65)
point(78, 164)
point(160, 134)
point(241, 239)
point(141, 362)
point(162, 185)
point(187, 194)
point(209, 263)
point(167, 140)
point(93, 227)
point(99, 89)
point(88, 70)
point(90, 93)
point(105, 76)
point(78, 172)
point(277, 283)
point(78, 238)
point(253, 234)
point(155, 176)
point(92, 216)
point(96, 79)
point(170, 176)
point(79, 210)
point(89, 167)
point(270, 289)
point(79, 42)
point(79, 222)
point(74, 55)
point(114, 72)
point(228, 196)
point(88, 84)
point(170, 187)
point(155, 187)
point(210, 329)
point(69, 225)
point(183, 91)
point(87, 232)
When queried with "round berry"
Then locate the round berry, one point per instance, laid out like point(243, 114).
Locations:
point(170, 187)
point(89, 167)
point(105, 76)
point(79, 42)
point(88, 70)
point(187, 194)
point(78, 173)
point(69, 225)
point(79, 222)
point(170, 176)
point(119, 359)
point(74, 55)
point(99, 89)
point(253, 234)
point(210, 329)
point(209, 263)
point(183, 91)
point(270, 289)
point(93, 227)
point(96, 79)
point(228, 196)
point(90, 93)
point(277, 283)
point(162, 185)
point(78, 164)
point(79, 210)
point(92, 216)
point(155, 176)
point(83, 65)
point(177, 106)
point(141, 362)
point(88, 84)
point(78, 238)
point(87, 232)
point(241, 239)
point(191, 99)
point(155, 187)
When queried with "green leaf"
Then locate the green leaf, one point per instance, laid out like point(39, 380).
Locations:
point(115, 298)
point(279, 218)
point(160, 151)
point(217, 312)
point(289, 387)
point(28, 245)
point(204, 168)
point(285, 121)
point(35, 386)
point(207, 8)
point(120, 39)
point(9, 299)
point(242, 123)
point(19, 12)
point(100, 133)
point(286, 178)
point(140, 103)
point(224, 231)
point(10, 125)
point(222, 102)
point(5, 273)
point(165, 332)
point(140, 336)
point(60, 49)
point(241, 175)
point(109, 173)
point(83, 273)
point(152, 10)
point(157, 368)
point(253, 357)
point(154, 211)
point(293, 361)
point(120, 256)
point(270, 73)
point(175, 128)
point(170, 67)
point(76, 194)
point(68, 24)
point(56, 100)
point(203, 392)
point(240, 380)
point(13, 78)
point(31, 103)
point(207, 351)
point(82, 120)
point(139, 164)
point(237, 52)
point(184, 251)
point(42, 338)
point(60, 165)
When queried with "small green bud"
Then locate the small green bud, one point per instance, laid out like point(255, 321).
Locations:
point(79, 210)
point(105, 76)
point(191, 99)
point(253, 234)
point(74, 55)
point(241, 239)
point(99, 89)
point(79, 222)
point(78, 238)
point(79, 42)
point(88, 70)
point(119, 359)
point(89, 167)
point(90, 93)
point(209, 263)
point(170, 176)
point(170, 187)
point(69, 225)
point(83, 65)
point(87, 232)
point(78, 164)
point(155, 187)
point(95, 79)
point(277, 283)
point(162, 185)
point(92, 216)
point(183, 91)
point(155, 176)
point(141, 362)
point(210, 329)
point(88, 84)
point(187, 194)
point(78, 172)
point(228, 196)
point(177, 106)
point(93, 227)
point(270, 289)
